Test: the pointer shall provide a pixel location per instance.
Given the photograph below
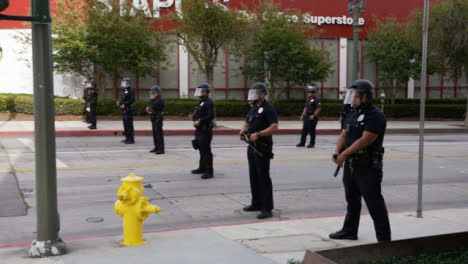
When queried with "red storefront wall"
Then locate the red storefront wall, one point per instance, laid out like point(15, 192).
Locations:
point(399, 9)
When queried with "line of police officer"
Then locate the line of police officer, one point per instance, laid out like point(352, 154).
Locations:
point(359, 149)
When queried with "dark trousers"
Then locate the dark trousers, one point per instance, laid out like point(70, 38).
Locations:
point(204, 135)
point(91, 115)
point(128, 126)
point(365, 182)
point(308, 126)
point(158, 136)
point(260, 181)
point(85, 113)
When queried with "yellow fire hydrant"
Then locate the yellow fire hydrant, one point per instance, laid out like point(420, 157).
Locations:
point(133, 208)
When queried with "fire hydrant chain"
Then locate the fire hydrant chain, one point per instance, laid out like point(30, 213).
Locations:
point(134, 208)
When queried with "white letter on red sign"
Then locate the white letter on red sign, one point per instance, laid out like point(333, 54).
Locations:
point(157, 4)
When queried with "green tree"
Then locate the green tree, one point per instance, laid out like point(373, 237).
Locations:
point(278, 50)
point(390, 45)
point(105, 40)
point(448, 37)
point(204, 27)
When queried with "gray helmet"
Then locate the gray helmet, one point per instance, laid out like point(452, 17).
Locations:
point(126, 82)
point(257, 91)
point(155, 89)
point(310, 89)
point(364, 87)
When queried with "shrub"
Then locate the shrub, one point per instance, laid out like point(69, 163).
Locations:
point(24, 104)
point(7, 102)
point(67, 106)
point(435, 108)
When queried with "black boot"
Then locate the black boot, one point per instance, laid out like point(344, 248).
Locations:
point(264, 214)
point(208, 174)
point(251, 208)
point(198, 171)
point(343, 235)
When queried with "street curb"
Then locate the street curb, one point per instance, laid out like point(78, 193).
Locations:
point(221, 131)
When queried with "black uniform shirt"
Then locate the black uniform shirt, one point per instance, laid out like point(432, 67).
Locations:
point(312, 105)
point(261, 117)
point(91, 96)
point(156, 105)
point(127, 97)
point(370, 119)
point(204, 111)
point(345, 112)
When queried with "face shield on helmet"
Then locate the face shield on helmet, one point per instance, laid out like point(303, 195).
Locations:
point(255, 95)
point(198, 92)
point(348, 100)
point(124, 84)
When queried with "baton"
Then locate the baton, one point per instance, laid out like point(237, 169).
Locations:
point(251, 145)
point(337, 167)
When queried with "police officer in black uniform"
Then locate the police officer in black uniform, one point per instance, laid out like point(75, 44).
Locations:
point(90, 99)
point(309, 117)
point(127, 98)
point(346, 108)
point(203, 121)
point(155, 108)
point(360, 148)
point(260, 125)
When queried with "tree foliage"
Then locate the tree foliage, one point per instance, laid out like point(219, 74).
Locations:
point(105, 40)
point(448, 37)
point(391, 46)
point(279, 52)
point(204, 27)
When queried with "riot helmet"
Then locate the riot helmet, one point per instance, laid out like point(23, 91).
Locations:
point(310, 89)
point(89, 82)
point(202, 89)
point(365, 88)
point(125, 83)
point(343, 92)
point(257, 92)
point(155, 89)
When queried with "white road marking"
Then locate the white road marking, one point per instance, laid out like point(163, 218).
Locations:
point(30, 145)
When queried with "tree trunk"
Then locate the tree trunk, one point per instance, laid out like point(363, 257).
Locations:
point(115, 83)
point(100, 79)
point(209, 76)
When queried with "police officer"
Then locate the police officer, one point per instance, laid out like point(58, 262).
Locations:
point(260, 125)
point(203, 121)
point(155, 108)
point(346, 108)
point(83, 100)
point(127, 98)
point(90, 99)
point(360, 148)
point(309, 117)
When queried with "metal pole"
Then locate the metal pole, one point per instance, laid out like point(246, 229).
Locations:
point(422, 106)
point(356, 10)
point(48, 242)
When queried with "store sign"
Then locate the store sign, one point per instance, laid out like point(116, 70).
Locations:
point(154, 11)
point(157, 5)
point(326, 20)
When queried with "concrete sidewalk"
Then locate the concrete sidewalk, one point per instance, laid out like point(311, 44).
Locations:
point(108, 128)
point(266, 242)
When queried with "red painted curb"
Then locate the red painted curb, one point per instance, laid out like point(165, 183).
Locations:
point(167, 132)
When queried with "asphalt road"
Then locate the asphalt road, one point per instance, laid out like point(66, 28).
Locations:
point(89, 169)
